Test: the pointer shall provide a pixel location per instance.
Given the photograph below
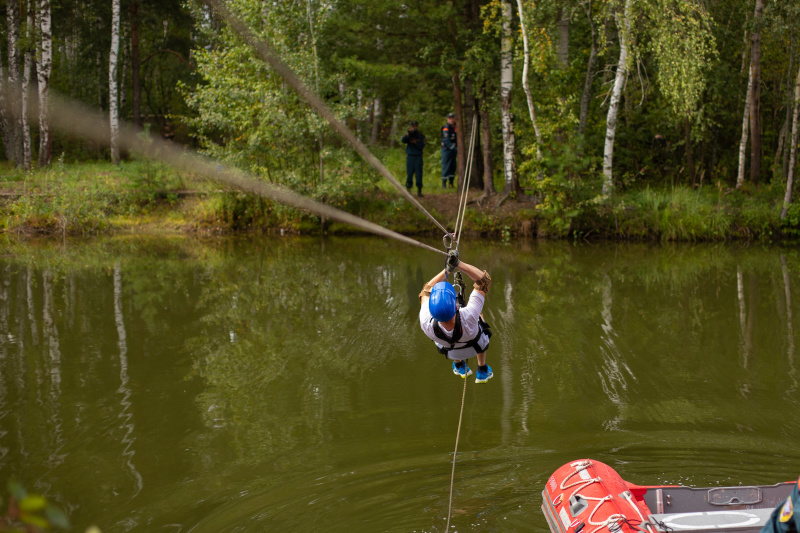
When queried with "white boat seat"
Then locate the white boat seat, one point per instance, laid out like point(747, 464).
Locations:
point(739, 520)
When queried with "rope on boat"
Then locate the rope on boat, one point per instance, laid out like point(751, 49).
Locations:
point(615, 519)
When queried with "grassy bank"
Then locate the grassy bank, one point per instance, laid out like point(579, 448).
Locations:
point(136, 196)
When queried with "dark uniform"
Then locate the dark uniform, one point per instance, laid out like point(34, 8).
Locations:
point(415, 142)
point(786, 517)
point(449, 154)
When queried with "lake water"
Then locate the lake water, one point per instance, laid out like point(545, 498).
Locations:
point(260, 384)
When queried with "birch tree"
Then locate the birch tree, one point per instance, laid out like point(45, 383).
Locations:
point(506, 86)
point(113, 89)
point(624, 30)
point(683, 47)
point(14, 141)
point(26, 83)
point(745, 130)
point(526, 84)
point(787, 198)
point(45, 53)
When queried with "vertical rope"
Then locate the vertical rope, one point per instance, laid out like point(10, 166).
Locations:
point(455, 452)
point(462, 203)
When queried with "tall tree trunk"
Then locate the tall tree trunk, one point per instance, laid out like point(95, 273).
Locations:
point(359, 121)
point(461, 154)
point(590, 67)
point(471, 105)
point(44, 69)
point(787, 198)
point(377, 115)
point(755, 95)
point(136, 89)
point(785, 152)
point(745, 130)
point(14, 146)
point(526, 84)
point(26, 84)
point(562, 49)
point(5, 124)
point(113, 89)
point(506, 87)
point(486, 144)
point(624, 30)
point(784, 133)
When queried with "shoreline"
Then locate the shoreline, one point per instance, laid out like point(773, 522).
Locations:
point(141, 198)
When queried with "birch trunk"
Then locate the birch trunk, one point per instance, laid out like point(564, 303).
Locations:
point(587, 85)
point(26, 83)
point(377, 115)
point(526, 85)
point(360, 104)
point(14, 145)
point(5, 125)
point(787, 199)
point(113, 89)
point(43, 72)
point(745, 130)
point(624, 29)
point(506, 86)
point(755, 95)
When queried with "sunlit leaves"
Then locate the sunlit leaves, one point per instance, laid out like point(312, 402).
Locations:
point(683, 46)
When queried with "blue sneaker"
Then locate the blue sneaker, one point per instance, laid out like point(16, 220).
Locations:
point(483, 377)
point(463, 371)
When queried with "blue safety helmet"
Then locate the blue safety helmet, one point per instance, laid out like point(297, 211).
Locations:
point(442, 303)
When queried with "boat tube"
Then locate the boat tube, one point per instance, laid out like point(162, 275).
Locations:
point(588, 496)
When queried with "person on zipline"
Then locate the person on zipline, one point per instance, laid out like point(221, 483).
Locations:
point(459, 333)
point(449, 151)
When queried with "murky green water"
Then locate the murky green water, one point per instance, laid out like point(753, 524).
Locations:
point(283, 385)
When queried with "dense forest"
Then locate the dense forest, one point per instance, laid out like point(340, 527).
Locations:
point(573, 102)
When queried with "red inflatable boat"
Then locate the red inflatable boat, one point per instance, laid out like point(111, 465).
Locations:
point(587, 496)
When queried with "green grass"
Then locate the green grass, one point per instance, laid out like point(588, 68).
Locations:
point(682, 213)
point(96, 197)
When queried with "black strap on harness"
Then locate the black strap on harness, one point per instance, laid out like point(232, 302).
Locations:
point(458, 331)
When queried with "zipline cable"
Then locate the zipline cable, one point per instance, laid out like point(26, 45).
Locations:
point(76, 119)
point(462, 208)
point(270, 56)
point(462, 204)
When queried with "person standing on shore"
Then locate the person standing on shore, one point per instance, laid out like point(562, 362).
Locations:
point(415, 143)
point(449, 151)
